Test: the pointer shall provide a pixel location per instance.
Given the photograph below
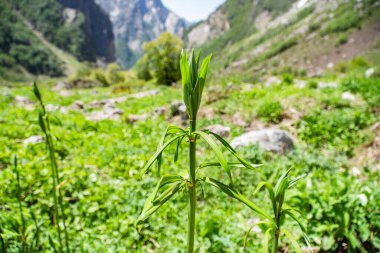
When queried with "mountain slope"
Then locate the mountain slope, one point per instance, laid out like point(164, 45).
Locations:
point(305, 36)
point(138, 21)
point(48, 37)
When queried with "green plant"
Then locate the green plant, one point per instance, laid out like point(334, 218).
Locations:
point(277, 198)
point(347, 20)
point(193, 81)
point(270, 111)
point(312, 84)
point(287, 78)
point(43, 119)
point(160, 60)
point(342, 39)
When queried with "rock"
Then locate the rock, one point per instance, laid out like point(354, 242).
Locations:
point(348, 96)
point(33, 140)
point(322, 85)
point(59, 86)
point(273, 140)
point(132, 118)
point(159, 111)
point(369, 72)
point(77, 105)
point(24, 102)
point(51, 107)
point(223, 131)
point(178, 108)
point(106, 113)
point(271, 80)
point(143, 94)
point(300, 83)
point(330, 65)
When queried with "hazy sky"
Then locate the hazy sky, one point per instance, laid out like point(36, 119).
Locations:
point(192, 10)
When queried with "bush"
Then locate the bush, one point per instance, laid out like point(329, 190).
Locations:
point(287, 79)
point(160, 60)
point(312, 84)
point(344, 22)
point(342, 39)
point(339, 129)
point(368, 88)
point(270, 111)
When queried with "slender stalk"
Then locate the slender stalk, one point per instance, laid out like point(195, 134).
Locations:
point(23, 237)
point(58, 200)
point(192, 188)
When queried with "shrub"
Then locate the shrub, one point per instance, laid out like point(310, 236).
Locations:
point(342, 39)
point(342, 23)
point(160, 59)
point(287, 79)
point(312, 84)
point(270, 111)
point(368, 88)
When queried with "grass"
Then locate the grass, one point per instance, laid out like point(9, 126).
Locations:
point(104, 193)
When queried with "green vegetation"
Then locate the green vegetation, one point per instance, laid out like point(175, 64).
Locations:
point(344, 22)
point(47, 17)
point(19, 48)
point(160, 60)
point(270, 111)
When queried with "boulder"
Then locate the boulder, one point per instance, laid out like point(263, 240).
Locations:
point(369, 72)
point(178, 108)
point(274, 140)
point(34, 139)
point(322, 85)
point(223, 131)
point(348, 96)
point(106, 113)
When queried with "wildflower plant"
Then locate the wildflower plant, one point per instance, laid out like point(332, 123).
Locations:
point(193, 82)
point(273, 231)
point(59, 213)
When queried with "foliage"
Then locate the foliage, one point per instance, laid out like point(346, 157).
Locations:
point(270, 111)
point(347, 20)
point(18, 46)
point(368, 88)
point(47, 17)
point(338, 129)
point(160, 60)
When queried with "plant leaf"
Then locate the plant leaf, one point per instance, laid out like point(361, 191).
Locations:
point(270, 190)
point(292, 239)
point(158, 152)
point(293, 215)
point(236, 195)
point(266, 240)
point(232, 151)
point(217, 152)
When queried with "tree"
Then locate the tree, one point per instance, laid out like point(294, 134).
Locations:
point(160, 60)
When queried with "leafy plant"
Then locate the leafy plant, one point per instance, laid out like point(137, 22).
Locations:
point(44, 122)
point(193, 81)
point(277, 198)
point(270, 111)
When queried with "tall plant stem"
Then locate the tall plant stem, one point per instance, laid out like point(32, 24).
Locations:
point(192, 188)
point(53, 162)
point(276, 233)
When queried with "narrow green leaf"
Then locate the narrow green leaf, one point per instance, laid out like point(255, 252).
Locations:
point(249, 231)
point(232, 150)
point(270, 190)
point(292, 239)
point(159, 151)
point(170, 130)
point(266, 240)
point(234, 194)
point(177, 148)
point(217, 152)
point(293, 215)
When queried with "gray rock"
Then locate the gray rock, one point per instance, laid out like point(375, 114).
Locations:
point(369, 72)
point(178, 108)
point(143, 94)
point(322, 85)
point(33, 140)
point(77, 105)
point(223, 131)
point(273, 140)
point(106, 113)
point(348, 96)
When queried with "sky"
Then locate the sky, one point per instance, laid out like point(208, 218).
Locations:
point(193, 10)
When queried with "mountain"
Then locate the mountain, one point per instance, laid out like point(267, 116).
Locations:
point(48, 37)
point(138, 21)
point(264, 37)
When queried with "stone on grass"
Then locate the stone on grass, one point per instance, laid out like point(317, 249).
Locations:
point(274, 140)
point(369, 72)
point(34, 139)
point(223, 131)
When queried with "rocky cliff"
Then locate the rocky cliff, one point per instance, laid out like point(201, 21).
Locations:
point(99, 39)
point(138, 21)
